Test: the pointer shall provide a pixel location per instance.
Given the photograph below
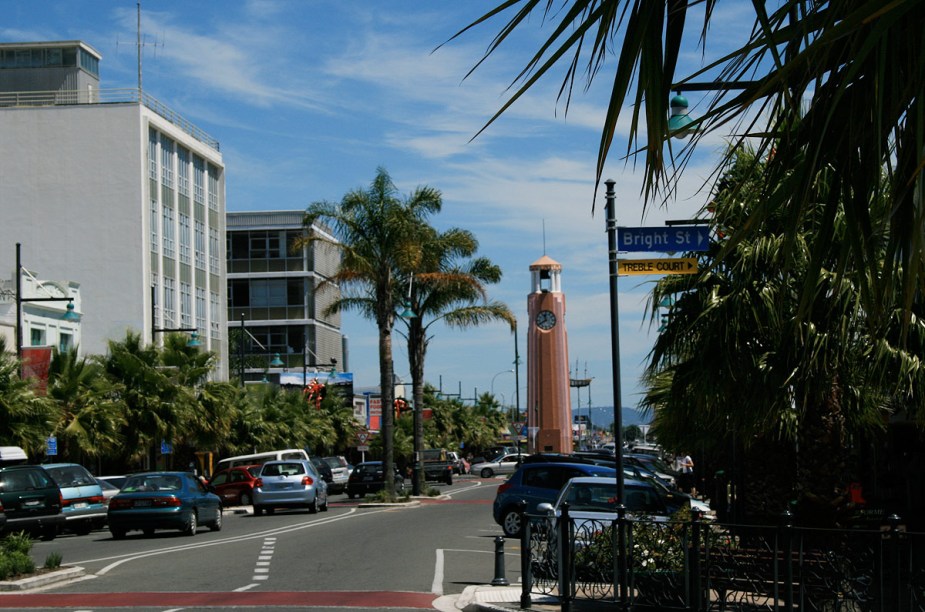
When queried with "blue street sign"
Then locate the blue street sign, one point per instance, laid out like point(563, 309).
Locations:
point(166, 447)
point(51, 446)
point(664, 239)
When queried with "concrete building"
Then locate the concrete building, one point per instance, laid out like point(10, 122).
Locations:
point(112, 190)
point(277, 297)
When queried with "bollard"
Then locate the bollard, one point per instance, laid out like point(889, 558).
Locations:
point(499, 579)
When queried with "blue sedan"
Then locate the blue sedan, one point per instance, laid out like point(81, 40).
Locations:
point(163, 500)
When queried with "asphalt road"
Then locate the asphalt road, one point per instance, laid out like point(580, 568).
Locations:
point(362, 558)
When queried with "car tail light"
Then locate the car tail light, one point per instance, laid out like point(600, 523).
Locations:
point(307, 481)
point(258, 482)
point(504, 486)
point(170, 502)
point(119, 504)
point(96, 499)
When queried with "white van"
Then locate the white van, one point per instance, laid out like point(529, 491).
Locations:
point(261, 458)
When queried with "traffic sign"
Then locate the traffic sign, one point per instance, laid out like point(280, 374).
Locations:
point(664, 239)
point(682, 265)
point(51, 446)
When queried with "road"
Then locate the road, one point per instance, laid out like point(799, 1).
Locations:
point(362, 558)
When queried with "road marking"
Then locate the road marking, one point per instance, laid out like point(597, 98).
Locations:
point(436, 586)
point(245, 588)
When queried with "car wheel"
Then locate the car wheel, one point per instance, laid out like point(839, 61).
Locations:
point(148, 532)
point(449, 477)
point(49, 532)
point(512, 523)
point(324, 507)
point(217, 523)
point(270, 510)
point(351, 495)
point(191, 523)
point(487, 473)
point(117, 534)
point(313, 506)
point(258, 510)
point(400, 487)
point(246, 499)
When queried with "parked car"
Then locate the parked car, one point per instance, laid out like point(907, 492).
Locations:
point(327, 474)
point(595, 499)
point(536, 483)
point(369, 477)
point(292, 483)
point(340, 471)
point(655, 465)
point(116, 481)
point(164, 500)
point(502, 464)
point(31, 500)
point(109, 490)
point(82, 500)
point(236, 485)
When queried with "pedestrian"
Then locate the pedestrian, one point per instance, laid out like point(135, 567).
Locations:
point(685, 467)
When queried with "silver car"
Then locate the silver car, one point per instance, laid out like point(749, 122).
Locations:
point(291, 483)
point(502, 464)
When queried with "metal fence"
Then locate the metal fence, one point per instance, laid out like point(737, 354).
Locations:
point(643, 564)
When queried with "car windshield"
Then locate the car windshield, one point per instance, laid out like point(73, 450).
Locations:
point(335, 462)
point(254, 470)
point(152, 482)
point(588, 496)
point(282, 469)
point(71, 476)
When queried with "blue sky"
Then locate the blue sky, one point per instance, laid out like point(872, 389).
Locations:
point(308, 97)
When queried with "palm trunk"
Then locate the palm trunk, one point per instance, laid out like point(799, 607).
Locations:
point(416, 349)
point(387, 394)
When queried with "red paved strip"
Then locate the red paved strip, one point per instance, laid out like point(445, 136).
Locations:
point(343, 599)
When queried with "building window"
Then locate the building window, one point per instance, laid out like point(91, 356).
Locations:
point(199, 170)
point(65, 343)
point(154, 309)
point(213, 187)
point(152, 155)
point(200, 245)
point(183, 170)
point(167, 161)
point(36, 337)
point(200, 308)
point(168, 233)
point(184, 238)
point(216, 317)
point(169, 296)
point(155, 217)
point(186, 305)
point(213, 251)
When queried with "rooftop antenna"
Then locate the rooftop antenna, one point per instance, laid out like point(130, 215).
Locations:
point(140, 44)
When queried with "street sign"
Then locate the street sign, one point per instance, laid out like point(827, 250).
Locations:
point(681, 265)
point(51, 446)
point(166, 447)
point(664, 239)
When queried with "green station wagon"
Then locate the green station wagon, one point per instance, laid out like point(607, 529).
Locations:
point(31, 500)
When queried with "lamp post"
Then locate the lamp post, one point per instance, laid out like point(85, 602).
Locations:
point(496, 376)
point(70, 315)
point(194, 333)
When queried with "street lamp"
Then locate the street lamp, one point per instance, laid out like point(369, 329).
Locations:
point(70, 315)
point(194, 333)
point(496, 376)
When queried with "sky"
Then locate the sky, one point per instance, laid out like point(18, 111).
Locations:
point(308, 98)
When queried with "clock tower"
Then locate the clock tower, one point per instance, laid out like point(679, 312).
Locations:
point(549, 408)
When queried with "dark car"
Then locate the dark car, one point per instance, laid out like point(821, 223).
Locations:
point(31, 500)
point(164, 500)
point(327, 474)
point(536, 483)
point(369, 477)
point(236, 485)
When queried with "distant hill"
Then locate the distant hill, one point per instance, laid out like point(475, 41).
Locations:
point(602, 416)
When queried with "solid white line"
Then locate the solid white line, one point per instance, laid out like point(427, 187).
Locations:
point(437, 586)
point(245, 588)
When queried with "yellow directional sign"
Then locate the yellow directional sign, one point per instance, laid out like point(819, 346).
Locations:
point(682, 265)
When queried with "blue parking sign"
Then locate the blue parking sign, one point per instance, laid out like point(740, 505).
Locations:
point(51, 446)
point(166, 447)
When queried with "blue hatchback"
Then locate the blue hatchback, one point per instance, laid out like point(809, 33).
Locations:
point(536, 483)
point(82, 500)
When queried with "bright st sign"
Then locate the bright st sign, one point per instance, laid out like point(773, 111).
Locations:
point(664, 239)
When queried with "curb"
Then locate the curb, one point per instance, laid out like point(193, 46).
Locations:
point(34, 582)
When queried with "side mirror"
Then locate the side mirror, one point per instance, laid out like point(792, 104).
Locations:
point(546, 508)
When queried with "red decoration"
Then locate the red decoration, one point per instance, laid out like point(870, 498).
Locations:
point(314, 392)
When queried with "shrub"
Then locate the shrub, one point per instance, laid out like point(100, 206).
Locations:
point(53, 560)
point(18, 541)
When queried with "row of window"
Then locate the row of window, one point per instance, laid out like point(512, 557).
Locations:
point(50, 58)
point(268, 293)
point(165, 306)
point(173, 169)
point(264, 244)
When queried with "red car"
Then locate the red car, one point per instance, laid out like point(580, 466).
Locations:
point(236, 485)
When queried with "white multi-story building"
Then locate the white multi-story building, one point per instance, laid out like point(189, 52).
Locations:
point(114, 191)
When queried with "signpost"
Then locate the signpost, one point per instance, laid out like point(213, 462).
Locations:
point(664, 239)
point(683, 265)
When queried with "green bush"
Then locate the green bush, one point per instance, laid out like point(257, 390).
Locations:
point(53, 560)
point(18, 541)
point(21, 563)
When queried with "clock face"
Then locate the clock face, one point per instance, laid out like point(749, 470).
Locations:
point(545, 319)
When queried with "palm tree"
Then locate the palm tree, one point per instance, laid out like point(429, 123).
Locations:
point(447, 287)
point(375, 230)
point(734, 357)
point(831, 87)
point(25, 418)
point(90, 423)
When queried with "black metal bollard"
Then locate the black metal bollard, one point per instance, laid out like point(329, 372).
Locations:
point(499, 579)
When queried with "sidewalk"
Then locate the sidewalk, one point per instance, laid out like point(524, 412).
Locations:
point(487, 598)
